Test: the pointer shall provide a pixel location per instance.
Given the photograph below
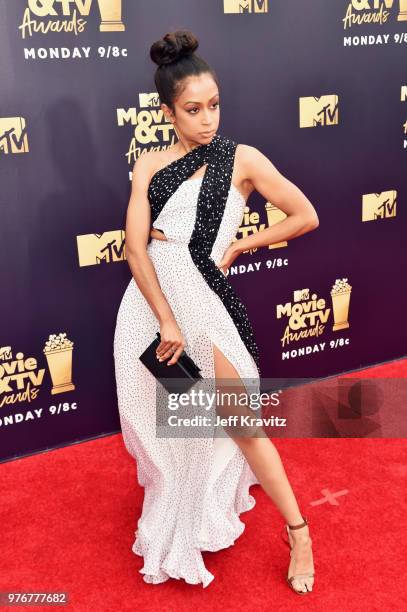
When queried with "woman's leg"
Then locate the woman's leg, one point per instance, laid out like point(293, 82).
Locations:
point(266, 464)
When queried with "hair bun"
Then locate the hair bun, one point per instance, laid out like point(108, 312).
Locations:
point(173, 46)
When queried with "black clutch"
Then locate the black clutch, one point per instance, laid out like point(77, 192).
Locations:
point(176, 378)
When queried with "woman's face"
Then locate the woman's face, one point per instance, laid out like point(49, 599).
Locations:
point(197, 109)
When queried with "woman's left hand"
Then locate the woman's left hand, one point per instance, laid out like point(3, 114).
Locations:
point(228, 258)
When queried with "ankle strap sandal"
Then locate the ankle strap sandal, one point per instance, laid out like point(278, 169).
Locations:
point(296, 576)
point(287, 527)
point(300, 525)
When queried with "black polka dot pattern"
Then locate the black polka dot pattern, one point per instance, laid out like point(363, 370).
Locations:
point(219, 156)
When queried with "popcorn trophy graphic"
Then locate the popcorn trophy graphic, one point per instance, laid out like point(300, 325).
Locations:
point(340, 295)
point(402, 16)
point(111, 16)
point(58, 351)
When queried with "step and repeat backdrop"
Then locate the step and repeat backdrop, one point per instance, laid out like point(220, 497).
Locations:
point(318, 86)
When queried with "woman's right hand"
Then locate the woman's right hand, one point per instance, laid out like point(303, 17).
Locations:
point(172, 342)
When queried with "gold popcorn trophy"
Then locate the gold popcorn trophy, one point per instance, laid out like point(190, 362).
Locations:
point(58, 351)
point(402, 16)
point(111, 16)
point(340, 295)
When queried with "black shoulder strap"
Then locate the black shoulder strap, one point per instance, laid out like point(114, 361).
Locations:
point(165, 182)
point(211, 206)
point(219, 155)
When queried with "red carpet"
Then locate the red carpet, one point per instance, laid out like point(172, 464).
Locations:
point(68, 518)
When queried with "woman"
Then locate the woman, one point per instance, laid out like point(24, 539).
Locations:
point(195, 194)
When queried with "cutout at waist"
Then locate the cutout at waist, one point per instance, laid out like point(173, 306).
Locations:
point(157, 233)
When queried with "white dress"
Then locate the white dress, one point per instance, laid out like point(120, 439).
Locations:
point(194, 488)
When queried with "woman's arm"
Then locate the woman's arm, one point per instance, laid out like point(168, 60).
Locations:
point(138, 220)
point(275, 188)
point(257, 170)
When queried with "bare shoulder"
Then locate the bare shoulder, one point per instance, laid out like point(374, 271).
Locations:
point(252, 163)
point(150, 162)
point(145, 163)
point(248, 159)
point(248, 156)
point(144, 168)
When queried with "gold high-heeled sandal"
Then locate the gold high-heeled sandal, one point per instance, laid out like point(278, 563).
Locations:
point(296, 576)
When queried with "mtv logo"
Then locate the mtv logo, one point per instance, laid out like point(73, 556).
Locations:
point(5, 353)
point(318, 111)
point(95, 249)
point(147, 100)
point(301, 294)
point(245, 6)
point(379, 205)
point(13, 135)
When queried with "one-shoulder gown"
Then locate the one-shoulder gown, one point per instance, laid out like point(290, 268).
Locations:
point(194, 488)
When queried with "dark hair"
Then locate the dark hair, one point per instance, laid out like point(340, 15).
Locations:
point(176, 59)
